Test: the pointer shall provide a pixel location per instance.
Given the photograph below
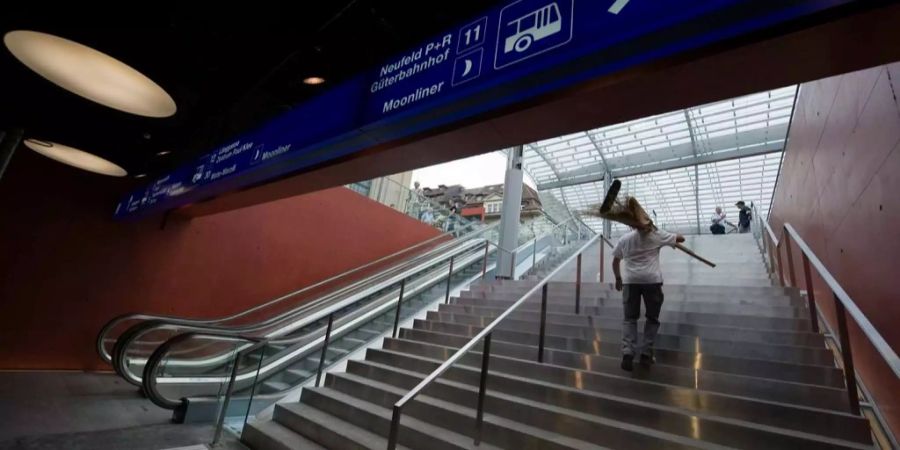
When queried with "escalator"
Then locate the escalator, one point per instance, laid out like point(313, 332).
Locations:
point(185, 365)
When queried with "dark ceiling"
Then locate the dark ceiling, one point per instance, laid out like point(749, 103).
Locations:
point(228, 68)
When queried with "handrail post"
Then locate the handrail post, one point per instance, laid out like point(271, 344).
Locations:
point(847, 355)
point(487, 247)
point(512, 268)
point(543, 322)
point(449, 277)
point(810, 295)
point(534, 254)
point(578, 285)
point(399, 304)
point(482, 387)
point(395, 428)
point(780, 266)
point(602, 258)
point(220, 421)
point(769, 247)
point(324, 349)
point(787, 246)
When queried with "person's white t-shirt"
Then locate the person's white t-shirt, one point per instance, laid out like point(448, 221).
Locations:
point(640, 255)
point(718, 219)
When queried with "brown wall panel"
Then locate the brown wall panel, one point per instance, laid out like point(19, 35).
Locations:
point(838, 187)
point(66, 268)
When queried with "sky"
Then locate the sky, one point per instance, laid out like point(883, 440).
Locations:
point(472, 172)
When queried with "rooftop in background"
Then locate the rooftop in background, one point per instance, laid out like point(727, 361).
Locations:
point(733, 148)
point(459, 195)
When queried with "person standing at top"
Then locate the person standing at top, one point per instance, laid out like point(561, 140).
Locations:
point(744, 217)
point(452, 219)
point(642, 278)
point(416, 200)
point(428, 216)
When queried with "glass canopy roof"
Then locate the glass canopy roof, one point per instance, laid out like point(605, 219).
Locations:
point(714, 155)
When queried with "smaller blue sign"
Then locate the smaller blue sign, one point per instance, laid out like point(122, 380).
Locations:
point(472, 35)
point(531, 27)
point(467, 67)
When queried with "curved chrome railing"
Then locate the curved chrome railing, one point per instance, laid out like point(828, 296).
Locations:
point(305, 348)
point(103, 336)
point(285, 323)
point(302, 347)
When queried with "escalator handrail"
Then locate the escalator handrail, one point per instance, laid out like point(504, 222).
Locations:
point(150, 389)
point(159, 355)
point(102, 335)
point(120, 361)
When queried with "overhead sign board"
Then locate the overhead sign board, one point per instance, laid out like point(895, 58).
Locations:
point(515, 52)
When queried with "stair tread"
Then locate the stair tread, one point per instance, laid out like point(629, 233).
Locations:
point(741, 410)
point(360, 436)
point(690, 358)
point(271, 435)
point(749, 430)
point(525, 428)
point(406, 420)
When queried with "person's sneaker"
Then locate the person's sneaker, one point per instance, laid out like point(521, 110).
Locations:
point(628, 362)
point(647, 360)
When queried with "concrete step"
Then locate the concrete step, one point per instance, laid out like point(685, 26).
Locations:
point(590, 287)
point(535, 425)
point(614, 310)
point(459, 385)
point(714, 307)
point(734, 297)
point(563, 369)
point(828, 376)
point(270, 435)
point(583, 339)
point(668, 325)
point(326, 429)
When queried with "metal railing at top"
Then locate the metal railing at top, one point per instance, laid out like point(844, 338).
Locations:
point(843, 304)
point(485, 335)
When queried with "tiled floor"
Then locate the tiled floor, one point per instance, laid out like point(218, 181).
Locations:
point(75, 410)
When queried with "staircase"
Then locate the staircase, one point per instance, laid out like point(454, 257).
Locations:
point(737, 367)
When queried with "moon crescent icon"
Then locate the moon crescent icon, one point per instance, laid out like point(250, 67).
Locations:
point(468, 67)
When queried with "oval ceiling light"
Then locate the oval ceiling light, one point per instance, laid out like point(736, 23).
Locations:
point(313, 80)
point(76, 158)
point(90, 74)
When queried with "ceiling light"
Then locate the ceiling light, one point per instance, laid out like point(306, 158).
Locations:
point(163, 152)
point(89, 73)
point(313, 80)
point(76, 158)
point(140, 175)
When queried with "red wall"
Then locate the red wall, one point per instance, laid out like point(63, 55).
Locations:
point(839, 188)
point(66, 267)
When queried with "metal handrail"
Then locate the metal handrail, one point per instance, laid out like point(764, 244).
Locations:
point(484, 334)
point(159, 355)
point(862, 321)
point(101, 337)
point(120, 363)
point(842, 301)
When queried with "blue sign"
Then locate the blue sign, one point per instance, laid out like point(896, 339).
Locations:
point(511, 53)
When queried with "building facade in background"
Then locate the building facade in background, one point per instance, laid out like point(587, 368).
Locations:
point(391, 190)
point(484, 203)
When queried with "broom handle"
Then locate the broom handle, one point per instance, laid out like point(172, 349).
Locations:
point(691, 252)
